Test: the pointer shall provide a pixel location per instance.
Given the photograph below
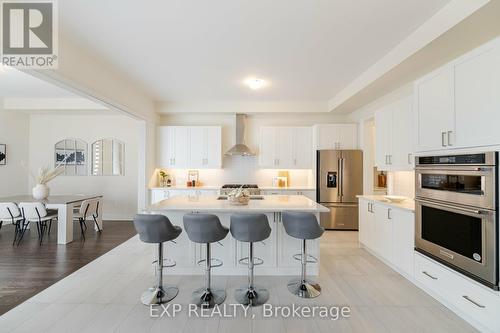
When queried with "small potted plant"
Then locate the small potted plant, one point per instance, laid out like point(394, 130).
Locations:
point(164, 179)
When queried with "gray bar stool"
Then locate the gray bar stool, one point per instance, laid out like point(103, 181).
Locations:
point(303, 226)
point(250, 228)
point(206, 229)
point(157, 229)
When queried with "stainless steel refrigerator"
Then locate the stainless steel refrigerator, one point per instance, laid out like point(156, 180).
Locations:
point(339, 179)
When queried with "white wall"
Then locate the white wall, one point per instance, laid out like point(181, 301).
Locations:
point(120, 192)
point(14, 132)
point(246, 169)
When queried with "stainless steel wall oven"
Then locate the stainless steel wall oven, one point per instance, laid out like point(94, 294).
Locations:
point(456, 213)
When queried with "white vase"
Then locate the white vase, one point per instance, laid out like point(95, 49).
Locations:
point(40, 192)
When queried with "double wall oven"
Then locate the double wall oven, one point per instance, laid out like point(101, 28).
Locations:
point(456, 213)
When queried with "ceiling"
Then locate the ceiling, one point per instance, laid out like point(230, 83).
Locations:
point(16, 84)
point(188, 50)
point(23, 92)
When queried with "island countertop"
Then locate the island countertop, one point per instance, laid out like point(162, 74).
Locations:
point(268, 204)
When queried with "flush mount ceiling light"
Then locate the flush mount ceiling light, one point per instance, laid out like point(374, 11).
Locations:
point(255, 83)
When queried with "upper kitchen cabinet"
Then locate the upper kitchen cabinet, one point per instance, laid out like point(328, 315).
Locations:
point(285, 147)
point(394, 139)
point(190, 147)
point(434, 97)
point(457, 105)
point(336, 136)
point(205, 147)
point(477, 97)
point(173, 146)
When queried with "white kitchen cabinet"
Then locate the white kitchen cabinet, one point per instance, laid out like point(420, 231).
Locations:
point(383, 232)
point(302, 145)
point(173, 146)
point(194, 147)
point(366, 223)
point(389, 232)
point(457, 105)
point(205, 147)
point(268, 147)
point(470, 300)
point(383, 138)
point(403, 232)
point(285, 148)
point(434, 98)
point(394, 139)
point(477, 98)
point(336, 136)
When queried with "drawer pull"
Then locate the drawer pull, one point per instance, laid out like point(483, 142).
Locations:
point(432, 277)
point(474, 302)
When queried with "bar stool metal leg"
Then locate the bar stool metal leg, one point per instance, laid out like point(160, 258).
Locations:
point(159, 294)
point(304, 288)
point(251, 295)
point(207, 297)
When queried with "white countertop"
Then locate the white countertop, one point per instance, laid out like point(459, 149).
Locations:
point(288, 188)
point(217, 187)
point(408, 204)
point(270, 203)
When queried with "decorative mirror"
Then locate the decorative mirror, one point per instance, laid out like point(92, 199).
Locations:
point(108, 157)
point(72, 155)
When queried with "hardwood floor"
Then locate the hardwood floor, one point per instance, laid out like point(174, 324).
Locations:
point(29, 268)
point(104, 296)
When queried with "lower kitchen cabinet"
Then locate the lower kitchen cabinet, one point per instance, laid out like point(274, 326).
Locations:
point(389, 233)
point(473, 302)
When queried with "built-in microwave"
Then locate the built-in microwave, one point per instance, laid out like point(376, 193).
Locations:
point(456, 213)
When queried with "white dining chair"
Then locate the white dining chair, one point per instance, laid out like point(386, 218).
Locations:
point(37, 213)
point(89, 209)
point(10, 212)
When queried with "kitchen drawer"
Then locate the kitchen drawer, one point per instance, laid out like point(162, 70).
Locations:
point(479, 304)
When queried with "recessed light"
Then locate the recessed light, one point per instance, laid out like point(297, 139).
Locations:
point(255, 83)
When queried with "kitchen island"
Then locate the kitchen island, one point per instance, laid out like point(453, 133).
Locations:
point(276, 251)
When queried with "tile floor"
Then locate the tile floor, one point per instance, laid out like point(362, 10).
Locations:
point(103, 296)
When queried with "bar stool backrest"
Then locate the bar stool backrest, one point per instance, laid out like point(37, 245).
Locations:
point(302, 225)
point(33, 210)
point(155, 228)
point(204, 228)
point(250, 227)
point(9, 211)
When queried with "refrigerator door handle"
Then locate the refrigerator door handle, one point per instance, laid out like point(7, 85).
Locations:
point(339, 181)
point(341, 177)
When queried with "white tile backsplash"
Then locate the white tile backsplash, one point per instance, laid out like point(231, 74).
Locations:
point(242, 170)
point(401, 183)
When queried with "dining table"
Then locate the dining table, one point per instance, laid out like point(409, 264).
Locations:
point(64, 204)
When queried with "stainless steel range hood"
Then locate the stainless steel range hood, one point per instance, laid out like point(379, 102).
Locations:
point(240, 148)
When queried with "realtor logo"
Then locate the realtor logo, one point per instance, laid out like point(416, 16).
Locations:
point(29, 34)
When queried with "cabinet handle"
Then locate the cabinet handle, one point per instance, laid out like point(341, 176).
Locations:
point(473, 302)
point(390, 159)
point(389, 214)
point(432, 277)
point(409, 158)
point(449, 138)
point(369, 207)
point(443, 139)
